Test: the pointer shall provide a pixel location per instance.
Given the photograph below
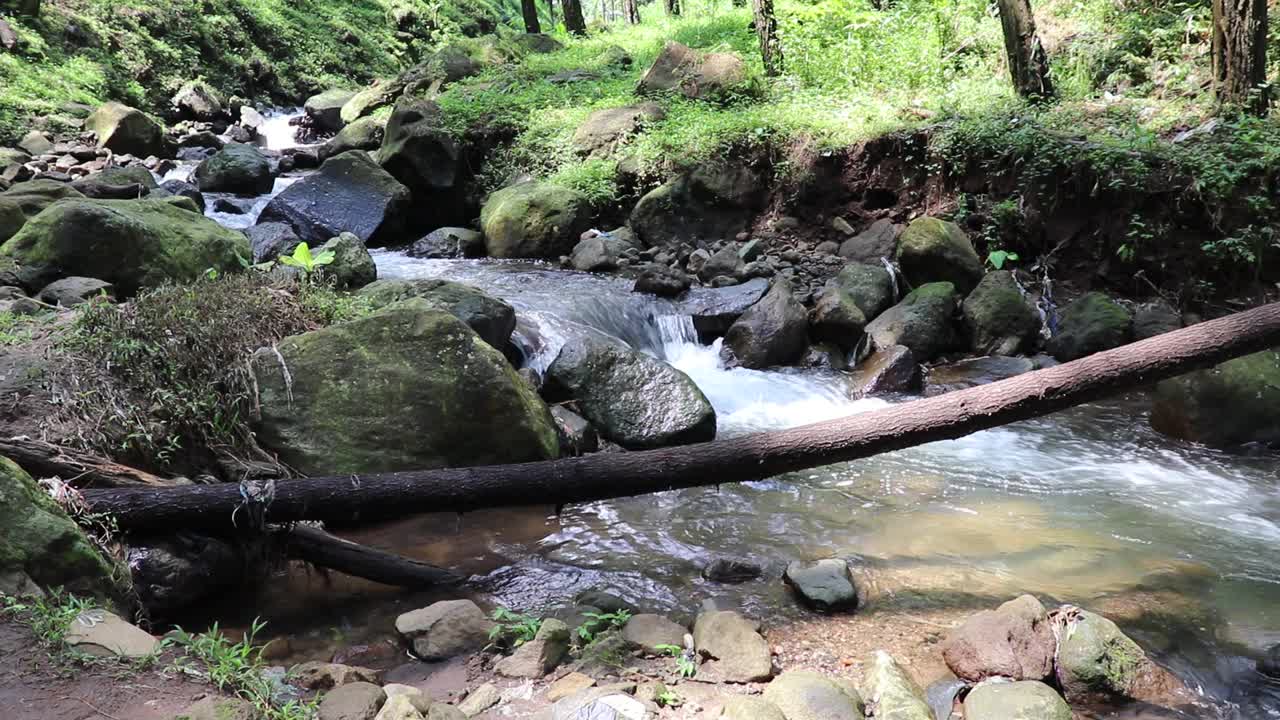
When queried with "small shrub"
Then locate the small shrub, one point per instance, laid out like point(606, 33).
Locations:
point(512, 629)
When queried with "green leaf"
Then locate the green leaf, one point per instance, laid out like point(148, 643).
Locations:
point(323, 258)
point(302, 254)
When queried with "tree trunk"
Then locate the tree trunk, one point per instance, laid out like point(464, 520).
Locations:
point(1240, 53)
point(551, 12)
point(672, 6)
point(1028, 64)
point(601, 476)
point(767, 31)
point(329, 551)
point(530, 10)
point(573, 21)
point(632, 8)
point(79, 469)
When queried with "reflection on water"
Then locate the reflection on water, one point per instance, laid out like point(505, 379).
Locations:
point(1087, 506)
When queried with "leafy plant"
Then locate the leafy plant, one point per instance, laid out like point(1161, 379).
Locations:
point(598, 623)
point(305, 261)
point(685, 664)
point(669, 698)
point(997, 258)
point(49, 617)
point(512, 629)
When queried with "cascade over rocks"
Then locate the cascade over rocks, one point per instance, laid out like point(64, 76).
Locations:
point(1015, 641)
point(923, 322)
point(350, 193)
point(714, 202)
point(492, 319)
point(405, 388)
point(701, 76)
point(772, 332)
point(1231, 404)
point(533, 219)
point(1092, 323)
point(999, 319)
point(236, 168)
point(126, 130)
point(932, 250)
point(325, 109)
point(803, 695)
point(632, 398)
point(129, 243)
point(418, 151)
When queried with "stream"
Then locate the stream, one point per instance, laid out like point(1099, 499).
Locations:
point(1088, 506)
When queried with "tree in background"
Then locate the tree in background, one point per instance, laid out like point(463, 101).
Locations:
point(1240, 53)
point(1028, 63)
point(551, 12)
point(672, 6)
point(767, 30)
point(529, 8)
point(632, 9)
point(573, 21)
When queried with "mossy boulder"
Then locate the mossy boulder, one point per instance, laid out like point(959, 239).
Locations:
point(869, 286)
point(533, 220)
point(129, 243)
point(836, 318)
point(119, 183)
point(24, 201)
point(694, 74)
point(1092, 323)
point(236, 168)
point(999, 319)
point(365, 133)
point(40, 543)
point(380, 94)
point(1025, 700)
point(123, 129)
point(892, 692)
point(932, 250)
point(1096, 661)
point(418, 151)
point(325, 109)
point(923, 322)
point(633, 399)
point(492, 319)
point(604, 130)
point(715, 202)
point(196, 100)
point(350, 193)
point(772, 332)
point(352, 267)
point(408, 387)
point(1231, 404)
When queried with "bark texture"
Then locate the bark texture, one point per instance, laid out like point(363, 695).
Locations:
point(767, 32)
point(672, 6)
point(1240, 53)
point(573, 20)
point(603, 476)
point(632, 9)
point(1028, 64)
point(529, 8)
point(81, 470)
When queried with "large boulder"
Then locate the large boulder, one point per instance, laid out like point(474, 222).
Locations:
point(649, 633)
point(803, 695)
point(408, 387)
point(123, 129)
point(1231, 404)
point(270, 240)
point(632, 398)
point(39, 544)
point(836, 318)
point(350, 193)
point(1096, 661)
point(419, 152)
point(236, 168)
point(879, 241)
point(363, 134)
point(772, 332)
point(129, 243)
point(103, 634)
point(1025, 700)
point(117, 183)
point(932, 250)
point(445, 629)
point(892, 692)
point(26, 200)
point(824, 585)
point(1014, 641)
point(325, 109)
point(887, 370)
point(379, 94)
point(492, 319)
point(603, 130)
point(922, 322)
point(533, 220)
point(72, 291)
point(714, 310)
point(999, 319)
point(195, 100)
point(353, 701)
point(706, 76)
point(869, 286)
point(714, 202)
point(352, 267)
point(1092, 323)
point(732, 647)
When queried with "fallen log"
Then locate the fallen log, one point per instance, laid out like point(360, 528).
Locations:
point(78, 469)
point(603, 476)
point(334, 553)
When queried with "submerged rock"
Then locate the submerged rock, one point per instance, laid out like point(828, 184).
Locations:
point(824, 585)
point(350, 193)
point(772, 332)
point(633, 398)
point(408, 387)
point(932, 250)
point(892, 693)
point(715, 310)
point(1015, 641)
point(731, 571)
point(1092, 323)
point(533, 220)
point(1025, 700)
point(733, 648)
point(923, 322)
point(802, 695)
point(445, 629)
point(999, 319)
point(1231, 404)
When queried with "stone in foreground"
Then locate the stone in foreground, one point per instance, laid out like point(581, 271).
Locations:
point(353, 701)
point(222, 708)
point(823, 585)
point(445, 629)
point(733, 647)
point(648, 632)
point(1025, 700)
point(104, 634)
point(540, 655)
point(1014, 641)
point(892, 692)
point(802, 695)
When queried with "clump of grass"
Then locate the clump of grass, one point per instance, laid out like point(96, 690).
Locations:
point(49, 617)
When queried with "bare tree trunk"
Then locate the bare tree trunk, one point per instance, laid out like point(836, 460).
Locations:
point(602, 476)
point(672, 6)
point(79, 469)
point(1240, 53)
point(1028, 64)
point(573, 21)
point(632, 9)
point(551, 12)
point(767, 31)
point(329, 551)
point(529, 8)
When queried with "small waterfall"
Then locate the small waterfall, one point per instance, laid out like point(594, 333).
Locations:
point(277, 131)
point(1044, 304)
point(893, 276)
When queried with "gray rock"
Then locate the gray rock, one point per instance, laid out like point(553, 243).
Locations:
point(869, 286)
point(942, 697)
point(325, 109)
point(72, 291)
point(726, 261)
point(363, 134)
point(892, 692)
point(932, 250)
point(533, 220)
point(1091, 323)
point(731, 571)
point(449, 242)
point(1025, 700)
point(1014, 641)
point(270, 240)
point(606, 601)
point(804, 695)
point(824, 585)
point(733, 648)
point(746, 707)
point(632, 398)
point(662, 281)
point(540, 655)
point(354, 701)
point(836, 319)
point(999, 319)
point(772, 332)
point(577, 436)
point(1155, 318)
point(326, 676)
point(197, 101)
point(879, 240)
point(890, 370)
point(713, 203)
point(36, 143)
point(352, 267)
point(421, 153)
point(694, 74)
point(445, 629)
point(1096, 662)
point(647, 632)
point(180, 188)
point(350, 193)
point(480, 699)
point(1228, 405)
point(923, 322)
point(236, 168)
